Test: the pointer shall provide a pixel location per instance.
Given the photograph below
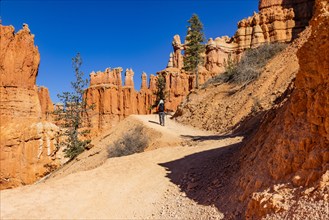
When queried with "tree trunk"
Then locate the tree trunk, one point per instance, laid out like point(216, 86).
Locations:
point(197, 78)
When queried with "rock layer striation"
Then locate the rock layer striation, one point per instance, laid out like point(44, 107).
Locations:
point(27, 145)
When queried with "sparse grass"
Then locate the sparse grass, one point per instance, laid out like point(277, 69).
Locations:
point(131, 142)
point(250, 66)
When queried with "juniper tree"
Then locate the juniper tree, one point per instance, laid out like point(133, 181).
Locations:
point(72, 116)
point(161, 86)
point(194, 47)
point(160, 92)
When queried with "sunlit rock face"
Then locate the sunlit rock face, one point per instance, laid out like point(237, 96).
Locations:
point(47, 106)
point(27, 145)
point(114, 101)
point(276, 21)
point(295, 143)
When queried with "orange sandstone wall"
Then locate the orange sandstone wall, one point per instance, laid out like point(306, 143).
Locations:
point(27, 143)
point(47, 106)
point(296, 142)
point(19, 57)
point(113, 101)
point(277, 21)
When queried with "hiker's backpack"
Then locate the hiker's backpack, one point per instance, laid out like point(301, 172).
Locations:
point(161, 107)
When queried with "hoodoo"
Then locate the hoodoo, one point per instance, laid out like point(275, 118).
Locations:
point(28, 140)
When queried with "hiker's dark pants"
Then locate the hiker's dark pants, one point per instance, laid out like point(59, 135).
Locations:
point(162, 118)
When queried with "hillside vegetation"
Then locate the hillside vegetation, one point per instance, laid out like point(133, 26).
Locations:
point(223, 107)
point(249, 68)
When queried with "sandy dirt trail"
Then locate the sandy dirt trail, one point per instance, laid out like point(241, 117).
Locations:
point(130, 187)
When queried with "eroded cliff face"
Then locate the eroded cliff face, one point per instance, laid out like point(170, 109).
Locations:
point(47, 106)
point(224, 107)
point(296, 142)
point(277, 21)
point(27, 141)
point(281, 170)
point(113, 101)
point(303, 11)
point(19, 57)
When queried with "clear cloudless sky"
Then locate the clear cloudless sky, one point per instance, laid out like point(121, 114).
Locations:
point(133, 34)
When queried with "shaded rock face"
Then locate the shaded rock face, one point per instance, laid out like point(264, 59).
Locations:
point(303, 10)
point(295, 143)
point(27, 141)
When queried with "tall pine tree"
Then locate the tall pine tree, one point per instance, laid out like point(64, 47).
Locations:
point(194, 47)
point(71, 117)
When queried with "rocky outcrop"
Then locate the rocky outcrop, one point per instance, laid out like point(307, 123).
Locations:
point(176, 58)
point(235, 103)
point(303, 10)
point(28, 152)
point(219, 52)
point(27, 141)
point(296, 141)
point(113, 101)
point(47, 106)
point(277, 21)
point(19, 58)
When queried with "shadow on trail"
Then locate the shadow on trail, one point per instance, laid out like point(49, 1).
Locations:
point(154, 122)
point(216, 177)
point(207, 137)
point(207, 177)
point(212, 177)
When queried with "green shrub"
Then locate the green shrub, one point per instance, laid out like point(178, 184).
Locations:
point(130, 143)
point(250, 66)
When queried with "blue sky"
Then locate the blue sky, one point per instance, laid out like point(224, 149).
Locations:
point(133, 34)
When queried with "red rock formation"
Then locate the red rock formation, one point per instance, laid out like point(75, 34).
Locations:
point(274, 23)
point(129, 78)
point(144, 81)
point(27, 142)
point(302, 9)
point(177, 55)
point(177, 87)
point(113, 101)
point(277, 21)
point(218, 54)
point(47, 106)
point(296, 141)
point(19, 58)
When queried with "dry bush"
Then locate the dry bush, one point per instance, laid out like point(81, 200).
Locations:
point(250, 66)
point(130, 143)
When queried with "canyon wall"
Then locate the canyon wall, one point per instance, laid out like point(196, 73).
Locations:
point(296, 140)
point(27, 145)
